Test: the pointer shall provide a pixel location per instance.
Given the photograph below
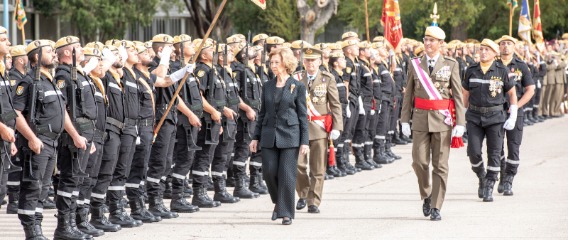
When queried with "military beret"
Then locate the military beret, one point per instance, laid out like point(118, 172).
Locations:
point(364, 44)
point(18, 50)
point(112, 42)
point(489, 43)
point(234, 39)
point(66, 41)
point(321, 46)
point(208, 44)
point(97, 45)
point(128, 44)
point(418, 50)
point(348, 43)
point(337, 55)
point(241, 36)
point(111, 47)
point(182, 38)
point(148, 44)
point(163, 38)
point(349, 35)
point(258, 37)
point(221, 48)
point(298, 44)
point(435, 32)
point(275, 40)
point(287, 45)
point(312, 53)
point(565, 36)
point(335, 46)
point(506, 38)
point(378, 39)
point(141, 49)
point(36, 44)
point(93, 52)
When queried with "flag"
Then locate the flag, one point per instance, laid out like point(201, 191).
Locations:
point(525, 22)
point(512, 4)
point(390, 20)
point(20, 14)
point(260, 3)
point(537, 29)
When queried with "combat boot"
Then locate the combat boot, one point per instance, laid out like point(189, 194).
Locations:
point(255, 185)
point(48, 204)
point(481, 177)
point(168, 188)
point(221, 193)
point(33, 232)
point(389, 152)
point(508, 185)
point(119, 216)
point(488, 190)
point(83, 224)
point(360, 159)
point(397, 140)
point(202, 200)
point(181, 205)
point(369, 156)
point(241, 190)
point(209, 184)
point(12, 207)
point(100, 221)
point(380, 156)
point(502, 176)
point(64, 229)
point(157, 208)
point(139, 212)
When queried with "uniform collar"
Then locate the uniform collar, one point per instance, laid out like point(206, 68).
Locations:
point(435, 58)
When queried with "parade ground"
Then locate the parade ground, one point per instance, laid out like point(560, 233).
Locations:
point(385, 204)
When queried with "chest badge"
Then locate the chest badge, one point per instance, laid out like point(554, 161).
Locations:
point(19, 90)
point(60, 84)
point(495, 86)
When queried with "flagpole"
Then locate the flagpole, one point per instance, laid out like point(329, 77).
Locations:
point(367, 22)
point(193, 59)
point(511, 20)
point(23, 35)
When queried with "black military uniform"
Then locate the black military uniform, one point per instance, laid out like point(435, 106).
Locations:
point(250, 91)
point(384, 116)
point(485, 118)
point(538, 78)
point(340, 142)
point(362, 144)
point(521, 76)
point(399, 76)
point(47, 126)
point(353, 76)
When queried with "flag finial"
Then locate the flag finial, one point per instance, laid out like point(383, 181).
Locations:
point(434, 16)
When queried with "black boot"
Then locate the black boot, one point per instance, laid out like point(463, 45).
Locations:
point(12, 207)
point(33, 232)
point(242, 191)
point(48, 203)
point(221, 193)
point(381, 156)
point(119, 216)
point(488, 190)
point(502, 176)
point(369, 156)
point(100, 221)
point(255, 185)
point(481, 177)
point(346, 155)
point(397, 140)
point(181, 205)
point(329, 172)
point(405, 138)
point(64, 229)
point(187, 189)
point(83, 224)
point(202, 200)
point(209, 184)
point(508, 186)
point(360, 159)
point(168, 188)
point(346, 166)
point(157, 208)
point(388, 150)
point(336, 172)
point(139, 212)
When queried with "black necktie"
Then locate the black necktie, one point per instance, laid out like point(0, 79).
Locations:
point(431, 65)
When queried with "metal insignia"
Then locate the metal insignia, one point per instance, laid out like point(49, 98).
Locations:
point(201, 73)
point(348, 69)
point(315, 99)
point(320, 90)
point(60, 84)
point(234, 74)
point(12, 82)
point(19, 90)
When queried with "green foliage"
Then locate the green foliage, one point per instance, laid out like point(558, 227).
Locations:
point(282, 19)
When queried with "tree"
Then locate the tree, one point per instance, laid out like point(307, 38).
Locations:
point(315, 16)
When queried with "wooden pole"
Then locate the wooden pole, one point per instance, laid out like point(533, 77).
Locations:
point(23, 35)
point(511, 21)
point(193, 59)
point(367, 22)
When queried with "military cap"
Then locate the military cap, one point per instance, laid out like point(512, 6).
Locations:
point(312, 53)
point(565, 36)
point(97, 45)
point(141, 49)
point(66, 41)
point(418, 50)
point(348, 35)
point(128, 44)
point(241, 36)
point(275, 40)
point(148, 44)
point(348, 43)
point(451, 46)
point(460, 45)
point(364, 44)
point(3, 30)
point(182, 38)
point(287, 45)
point(378, 39)
point(321, 46)
point(93, 52)
point(298, 44)
point(234, 39)
point(335, 46)
point(489, 43)
point(163, 38)
point(208, 44)
point(112, 42)
point(435, 32)
point(36, 44)
point(18, 50)
point(506, 38)
point(221, 48)
point(111, 48)
point(337, 55)
point(259, 37)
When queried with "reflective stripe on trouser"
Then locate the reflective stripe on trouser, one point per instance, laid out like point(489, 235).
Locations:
point(340, 142)
point(68, 186)
point(383, 123)
point(108, 163)
point(183, 160)
point(32, 193)
point(494, 134)
point(139, 165)
point(203, 157)
point(93, 166)
point(122, 168)
point(161, 159)
point(241, 150)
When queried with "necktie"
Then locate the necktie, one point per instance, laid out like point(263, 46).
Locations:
point(431, 65)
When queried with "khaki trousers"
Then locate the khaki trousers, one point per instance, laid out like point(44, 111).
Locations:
point(556, 99)
point(431, 147)
point(543, 108)
point(310, 186)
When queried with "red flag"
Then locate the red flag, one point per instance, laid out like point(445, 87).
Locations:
point(391, 22)
point(260, 3)
point(537, 26)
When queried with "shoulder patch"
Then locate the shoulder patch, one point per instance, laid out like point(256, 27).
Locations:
point(60, 84)
point(348, 70)
point(19, 90)
point(201, 73)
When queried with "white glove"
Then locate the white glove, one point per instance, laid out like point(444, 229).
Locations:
point(165, 55)
point(190, 67)
point(178, 75)
point(334, 135)
point(122, 52)
point(458, 131)
point(510, 123)
point(348, 110)
point(372, 112)
point(361, 108)
point(92, 64)
point(538, 85)
point(406, 129)
point(108, 56)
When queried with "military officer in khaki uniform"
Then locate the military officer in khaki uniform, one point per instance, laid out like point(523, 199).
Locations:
point(431, 128)
point(324, 108)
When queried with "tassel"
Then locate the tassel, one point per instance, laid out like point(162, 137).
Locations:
point(457, 142)
point(331, 155)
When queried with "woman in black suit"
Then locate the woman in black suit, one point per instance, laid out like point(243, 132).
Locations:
point(282, 129)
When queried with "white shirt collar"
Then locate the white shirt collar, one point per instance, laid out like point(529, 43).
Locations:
point(314, 76)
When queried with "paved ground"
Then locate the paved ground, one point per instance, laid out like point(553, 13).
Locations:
point(385, 204)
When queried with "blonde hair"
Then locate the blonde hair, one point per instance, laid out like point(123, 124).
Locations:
point(288, 58)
